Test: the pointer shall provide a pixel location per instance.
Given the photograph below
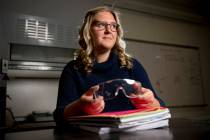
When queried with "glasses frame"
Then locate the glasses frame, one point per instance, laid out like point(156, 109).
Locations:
point(116, 92)
point(105, 25)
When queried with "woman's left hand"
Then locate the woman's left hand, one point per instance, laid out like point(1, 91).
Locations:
point(145, 98)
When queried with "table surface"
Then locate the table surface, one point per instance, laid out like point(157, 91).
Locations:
point(179, 129)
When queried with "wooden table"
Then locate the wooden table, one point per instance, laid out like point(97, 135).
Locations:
point(179, 129)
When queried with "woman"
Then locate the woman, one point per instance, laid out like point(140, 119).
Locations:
point(102, 57)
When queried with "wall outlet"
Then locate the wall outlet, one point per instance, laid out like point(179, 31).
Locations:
point(3, 66)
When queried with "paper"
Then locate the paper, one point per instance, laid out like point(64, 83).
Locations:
point(130, 120)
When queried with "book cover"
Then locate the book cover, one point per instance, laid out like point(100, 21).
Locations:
point(121, 125)
point(122, 116)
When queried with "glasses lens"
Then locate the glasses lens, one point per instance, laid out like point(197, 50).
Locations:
point(106, 90)
point(103, 25)
point(114, 27)
point(111, 89)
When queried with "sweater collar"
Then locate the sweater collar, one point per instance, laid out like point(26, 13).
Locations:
point(113, 59)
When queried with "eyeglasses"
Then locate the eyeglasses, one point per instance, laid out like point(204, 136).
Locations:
point(100, 25)
point(112, 88)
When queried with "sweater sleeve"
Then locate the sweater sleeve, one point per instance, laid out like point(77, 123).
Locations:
point(67, 92)
point(140, 75)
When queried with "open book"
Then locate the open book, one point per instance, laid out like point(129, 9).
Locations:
point(123, 120)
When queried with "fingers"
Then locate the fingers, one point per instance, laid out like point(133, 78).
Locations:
point(92, 90)
point(146, 97)
point(98, 101)
point(88, 96)
point(94, 107)
point(145, 100)
point(146, 94)
point(98, 105)
point(137, 86)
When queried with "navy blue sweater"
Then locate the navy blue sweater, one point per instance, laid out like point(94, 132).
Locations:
point(74, 82)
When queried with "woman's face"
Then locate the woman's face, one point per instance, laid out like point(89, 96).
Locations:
point(104, 31)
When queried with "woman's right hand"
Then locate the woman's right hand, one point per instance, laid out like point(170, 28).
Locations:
point(92, 105)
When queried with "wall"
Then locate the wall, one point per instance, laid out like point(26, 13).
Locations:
point(69, 11)
point(165, 30)
point(37, 94)
point(3, 49)
point(62, 12)
point(29, 95)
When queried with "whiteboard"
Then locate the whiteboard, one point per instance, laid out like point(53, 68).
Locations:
point(174, 71)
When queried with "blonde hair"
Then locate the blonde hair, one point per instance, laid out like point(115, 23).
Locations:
point(85, 54)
